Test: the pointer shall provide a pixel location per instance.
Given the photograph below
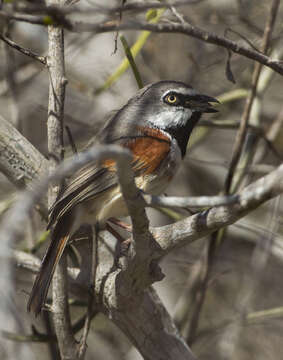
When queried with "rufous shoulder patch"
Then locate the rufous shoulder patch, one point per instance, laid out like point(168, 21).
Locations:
point(149, 150)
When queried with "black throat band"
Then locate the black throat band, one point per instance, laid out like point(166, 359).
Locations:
point(183, 133)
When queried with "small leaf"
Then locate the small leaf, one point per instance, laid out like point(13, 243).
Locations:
point(131, 61)
point(228, 70)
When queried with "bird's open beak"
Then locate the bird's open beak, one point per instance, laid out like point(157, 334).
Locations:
point(202, 103)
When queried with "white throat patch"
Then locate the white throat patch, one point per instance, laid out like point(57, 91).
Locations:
point(173, 116)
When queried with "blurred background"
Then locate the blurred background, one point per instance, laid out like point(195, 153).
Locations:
point(225, 291)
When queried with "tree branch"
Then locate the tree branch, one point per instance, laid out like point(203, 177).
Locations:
point(151, 329)
point(177, 28)
point(135, 7)
point(24, 51)
point(186, 29)
point(55, 126)
point(20, 161)
point(204, 223)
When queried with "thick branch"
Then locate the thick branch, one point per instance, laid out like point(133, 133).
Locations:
point(20, 161)
point(151, 329)
point(204, 223)
point(55, 126)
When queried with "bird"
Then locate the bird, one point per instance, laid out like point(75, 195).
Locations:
point(155, 125)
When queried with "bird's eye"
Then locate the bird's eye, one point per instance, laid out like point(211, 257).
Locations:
point(171, 99)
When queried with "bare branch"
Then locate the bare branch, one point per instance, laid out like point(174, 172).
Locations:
point(185, 29)
point(189, 201)
point(24, 51)
point(151, 329)
point(11, 80)
point(204, 223)
point(55, 127)
point(20, 161)
point(37, 20)
point(134, 7)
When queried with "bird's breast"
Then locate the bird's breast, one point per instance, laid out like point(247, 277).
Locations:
point(110, 203)
point(156, 182)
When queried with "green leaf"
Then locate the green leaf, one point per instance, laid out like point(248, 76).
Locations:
point(132, 61)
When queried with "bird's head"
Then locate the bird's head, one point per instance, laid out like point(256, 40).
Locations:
point(172, 104)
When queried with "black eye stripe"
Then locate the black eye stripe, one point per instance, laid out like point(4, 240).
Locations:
point(180, 99)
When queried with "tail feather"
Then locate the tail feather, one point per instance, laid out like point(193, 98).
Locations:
point(43, 279)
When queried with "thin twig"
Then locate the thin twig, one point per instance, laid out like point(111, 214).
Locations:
point(33, 55)
point(177, 14)
point(71, 140)
point(30, 19)
point(11, 80)
point(188, 201)
point(242, 37)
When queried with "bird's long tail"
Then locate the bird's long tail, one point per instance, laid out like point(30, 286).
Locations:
point(51, 258)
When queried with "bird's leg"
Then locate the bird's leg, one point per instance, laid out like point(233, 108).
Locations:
point(114, 233)
point(121, 224)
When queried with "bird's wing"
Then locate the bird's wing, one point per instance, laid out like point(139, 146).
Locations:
point(86, 183)
point(149, 149)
